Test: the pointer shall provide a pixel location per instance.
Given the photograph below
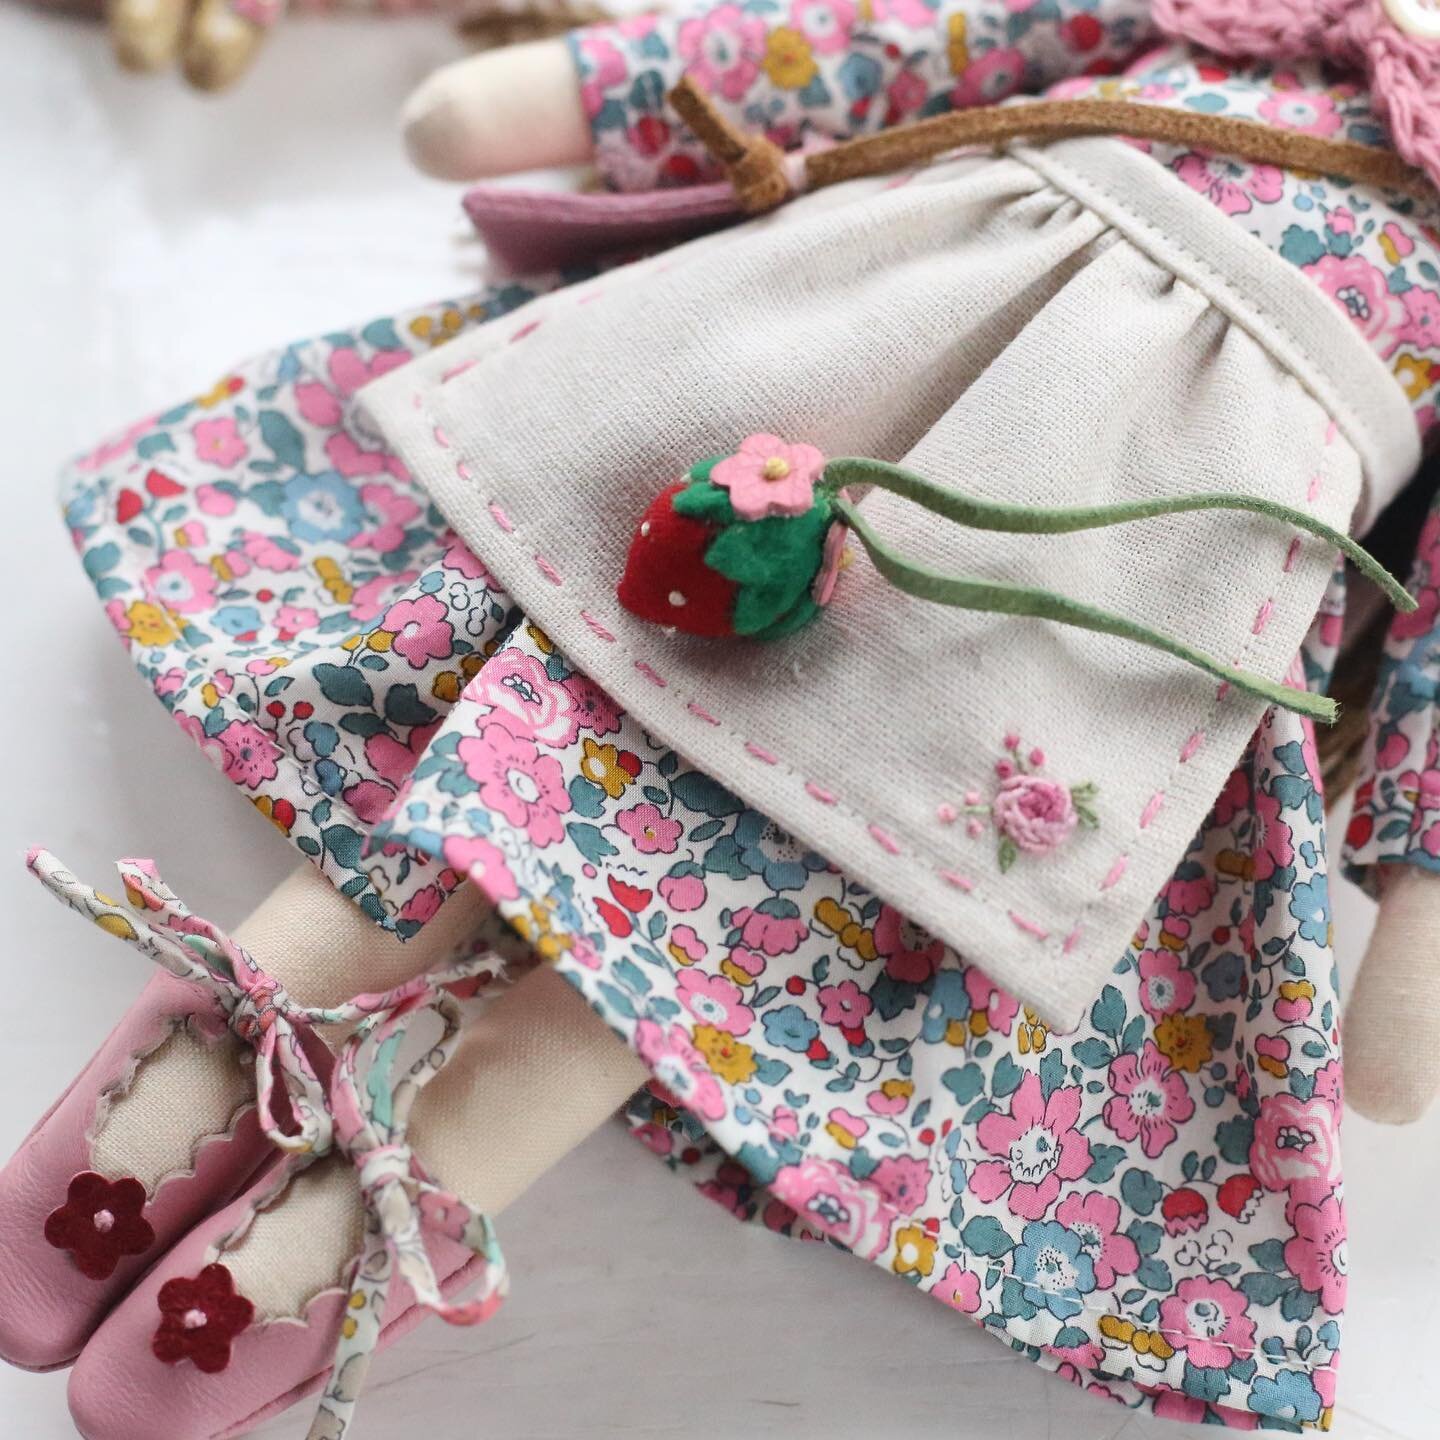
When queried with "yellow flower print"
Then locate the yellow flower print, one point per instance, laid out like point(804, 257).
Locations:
point(1274, 1065)
point(840, 1135)
point(379, 640)
point(958, 45)
point(446, 686)
point(1152, 1348)
point(914, 1251)
point(538, 931)
point(1414, 373)
point(732, 1061)
point(1032, 1034)
point(543, 643)
point(894, 1089)
point(116, 925)
point(788, 59)
point(601, 764)
point(148, 624)
point(220, 391)
point(846, 928)
point(331, 576)
point(1184, 1040)
point(472, 664)
point(435, 331)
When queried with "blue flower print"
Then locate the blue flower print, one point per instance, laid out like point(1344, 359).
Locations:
point(774, 854)
point(790, 1028)
point(1056, 1271)
point(1310, 905)
point(322, 507)
point(1291, 1395)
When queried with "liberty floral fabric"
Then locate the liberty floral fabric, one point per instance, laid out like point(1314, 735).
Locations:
point(293, 598)
point(832, 69)
point(1396, 814)
point(1150, 1205)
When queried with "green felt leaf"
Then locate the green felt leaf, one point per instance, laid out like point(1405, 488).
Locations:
point(704, 501)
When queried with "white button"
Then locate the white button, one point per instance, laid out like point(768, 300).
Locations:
point(1420, 18)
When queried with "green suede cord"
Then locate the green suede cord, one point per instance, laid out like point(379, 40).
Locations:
point(1036, 520)
point(1000, 597)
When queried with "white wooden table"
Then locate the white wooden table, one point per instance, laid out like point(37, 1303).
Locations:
point(150, 238)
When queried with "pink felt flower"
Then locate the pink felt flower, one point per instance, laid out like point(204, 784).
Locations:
point(770, 477)
point(714, 1000)
point(1150, 1099)
point(1038, 1146)
point(517, 782)
point(1095, 1218)
point(832, 1201)
point(1035, 813)
point(1317, 1255)
point(1206, 1319)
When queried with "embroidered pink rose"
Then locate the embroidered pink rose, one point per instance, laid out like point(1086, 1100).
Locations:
point(1036, 814)
point(1206, 1319)
point(1150, 1100)
point(1095, 1218)
point(835, 1203)
point(1317, 1256)
point(769, 477)
point(1038, 1146)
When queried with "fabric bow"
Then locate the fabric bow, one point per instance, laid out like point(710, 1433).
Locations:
point(254, 1005)
point(401, 1203)
point(1393, 44)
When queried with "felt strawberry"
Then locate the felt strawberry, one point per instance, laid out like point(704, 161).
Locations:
point(734, 548)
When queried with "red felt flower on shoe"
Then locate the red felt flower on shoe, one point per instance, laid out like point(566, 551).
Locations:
point(200, 1318)
point(100, 1224)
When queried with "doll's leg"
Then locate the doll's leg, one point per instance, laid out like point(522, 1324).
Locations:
point(163, 1120)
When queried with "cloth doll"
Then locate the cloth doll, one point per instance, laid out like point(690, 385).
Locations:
point(1133, 1174)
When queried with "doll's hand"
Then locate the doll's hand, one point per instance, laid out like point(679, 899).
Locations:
point(810, 69)
point(1392, 1068)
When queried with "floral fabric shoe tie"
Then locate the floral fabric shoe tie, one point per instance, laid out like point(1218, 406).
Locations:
point(751, 544)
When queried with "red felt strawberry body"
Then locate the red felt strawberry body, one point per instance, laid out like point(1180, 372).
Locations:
point(666, 579)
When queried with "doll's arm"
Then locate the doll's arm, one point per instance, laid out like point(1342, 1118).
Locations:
point(812, 69)
point(1392, 846)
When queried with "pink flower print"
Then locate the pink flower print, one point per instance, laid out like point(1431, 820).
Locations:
point(1035, 813)
point(771, 934)
point(686, 947)
point(831, 1200)
point(462, 561)
point(212, 500)
point(1231, 185)
point(371, 598)
point(290, 620)
point(484, 863)
point(722, 49)
point(1302, 110)
point(348, 372)
point(903, 1180)
point(683, 892)
point(388, 513)
point(318, 404)
point(1038, 1146)
point(1150, 1099)
point(444, 1215)
point(1165, 984)
point(1359, 288)
point(958, 1288)
point(1206, 1319)
point(352, 459)
point(679, 1066)
point(265, 553)
point(826, 24)
point(1095, 1218)
point(519, 693)
point(998, 1006)
point(1296, 1148)
point(1234, 798)
point(1340, 221)
point(218, 442)
point(369, 799)
point(594, 709)
point(714, 1000)
point(996, 75)
point(421, 631)
point(1272, 848)
point(181, 583)
point(845, 1004)
point(518, 782)
point(1396, 244)
point(1190, 891)
point(1420, 323)
point(650, 831)
point(1318, 1256)
point(769, 477)
point(910, 953)
point(249, 756)
point(1329, 1084)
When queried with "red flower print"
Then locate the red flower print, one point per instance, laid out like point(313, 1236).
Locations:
point(199, 1318)
point(100, 1224)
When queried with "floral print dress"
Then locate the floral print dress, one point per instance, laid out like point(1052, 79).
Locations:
point(1150, 1206)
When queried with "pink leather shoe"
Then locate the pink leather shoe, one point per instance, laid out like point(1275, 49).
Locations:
point(73, 1239)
